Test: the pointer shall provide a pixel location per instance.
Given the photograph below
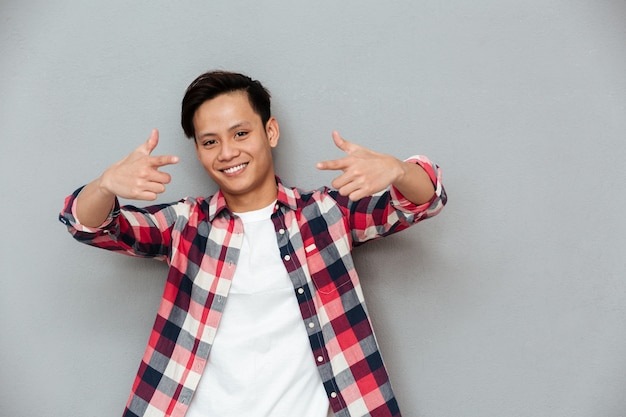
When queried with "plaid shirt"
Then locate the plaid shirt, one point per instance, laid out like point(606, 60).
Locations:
point(200, 239)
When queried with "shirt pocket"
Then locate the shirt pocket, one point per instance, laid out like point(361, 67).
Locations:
point(329, 268)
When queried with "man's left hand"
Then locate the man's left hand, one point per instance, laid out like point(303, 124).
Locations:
point(365, 172)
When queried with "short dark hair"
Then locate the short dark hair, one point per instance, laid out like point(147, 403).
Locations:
point(214, 83)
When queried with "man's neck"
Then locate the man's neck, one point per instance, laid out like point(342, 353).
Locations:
point(244, 203)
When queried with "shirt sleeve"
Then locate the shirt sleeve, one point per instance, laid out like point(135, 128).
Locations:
point(389, 211)
point(143, 232)
point(436, 203)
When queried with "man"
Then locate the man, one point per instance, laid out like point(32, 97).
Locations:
point(262, 312)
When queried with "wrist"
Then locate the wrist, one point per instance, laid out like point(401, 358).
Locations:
point(403, 171)
point(103, 189)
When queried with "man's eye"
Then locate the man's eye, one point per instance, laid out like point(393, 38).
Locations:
point(209, 142)
point(240, 135)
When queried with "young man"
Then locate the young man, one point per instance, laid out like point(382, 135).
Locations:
point(262, 312)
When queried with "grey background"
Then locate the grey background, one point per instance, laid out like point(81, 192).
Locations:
point(510, 303)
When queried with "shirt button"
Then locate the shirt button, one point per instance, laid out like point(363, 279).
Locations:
point(287, 257)
point(281, 231)
point(320, 359)
point(311, 324)
point(333, 394)
point(300, 290)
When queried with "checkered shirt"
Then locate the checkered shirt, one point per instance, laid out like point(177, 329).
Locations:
point(200, 239)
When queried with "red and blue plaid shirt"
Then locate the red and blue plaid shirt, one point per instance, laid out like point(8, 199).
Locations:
point(200, 239)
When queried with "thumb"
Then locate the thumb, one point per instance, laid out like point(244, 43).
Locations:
point(151, 143)
point(341, 143)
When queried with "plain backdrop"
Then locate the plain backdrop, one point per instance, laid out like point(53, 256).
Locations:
point(510, 303)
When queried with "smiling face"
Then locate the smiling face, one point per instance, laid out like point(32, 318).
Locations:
point(236, 150)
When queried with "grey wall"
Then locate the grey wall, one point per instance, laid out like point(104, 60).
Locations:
point(511, 303)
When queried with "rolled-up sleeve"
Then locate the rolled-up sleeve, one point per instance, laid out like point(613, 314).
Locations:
point(70, 219)
point(431, 207)
point(142, 232)
point(389, 211)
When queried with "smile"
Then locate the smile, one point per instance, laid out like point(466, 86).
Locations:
point(234, 169)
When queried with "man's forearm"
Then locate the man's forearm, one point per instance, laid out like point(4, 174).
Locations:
point(94, 204)
point(414, 183)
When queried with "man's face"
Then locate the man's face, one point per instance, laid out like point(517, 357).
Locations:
point(235, 149)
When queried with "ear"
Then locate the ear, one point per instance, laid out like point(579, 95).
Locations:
point(272, 130)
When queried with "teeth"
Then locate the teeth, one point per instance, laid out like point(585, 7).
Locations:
point(234, 169)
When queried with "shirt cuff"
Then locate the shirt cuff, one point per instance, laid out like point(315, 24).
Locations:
point(399, 201)
point(115, 211)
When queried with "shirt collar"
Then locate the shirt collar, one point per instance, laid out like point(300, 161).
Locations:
point(286, 197)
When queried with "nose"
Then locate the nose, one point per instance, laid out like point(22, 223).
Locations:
point(228, 151)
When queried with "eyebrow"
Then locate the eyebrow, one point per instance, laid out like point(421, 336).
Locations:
point(236, 126)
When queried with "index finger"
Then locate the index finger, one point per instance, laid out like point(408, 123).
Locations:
point(163, 160)
point(336, 164)
point(333, 165)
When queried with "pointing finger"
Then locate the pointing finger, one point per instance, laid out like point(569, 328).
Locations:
point(337, 164)
point(332, 165)
point(150, 145)
point(163, 160)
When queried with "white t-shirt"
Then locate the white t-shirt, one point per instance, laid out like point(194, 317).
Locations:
point(261, 363)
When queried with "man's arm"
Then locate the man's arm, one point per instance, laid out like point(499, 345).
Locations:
point(135, 177)
point(366, 172)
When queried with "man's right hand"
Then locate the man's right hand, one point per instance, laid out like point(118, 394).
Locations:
point(135, 177)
